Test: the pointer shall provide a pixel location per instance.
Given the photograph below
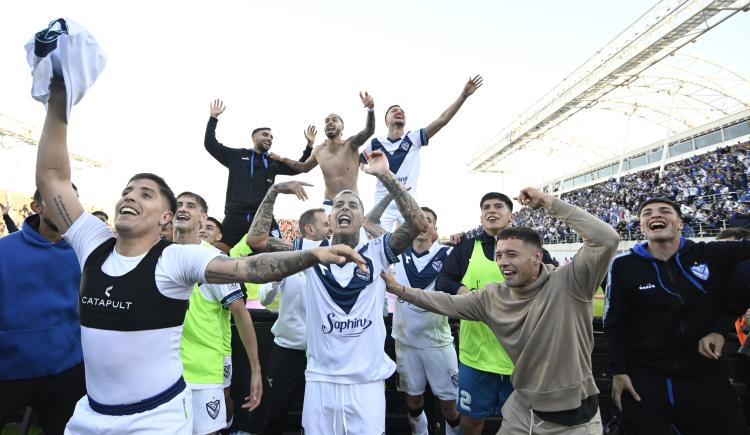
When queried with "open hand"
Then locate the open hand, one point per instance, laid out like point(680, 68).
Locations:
point(217, 108)
point(310, 135)
point(293, 188)
point(340, 254)
point(621, 383)
point(472, 85)
point(377, 163)
point(5, 209)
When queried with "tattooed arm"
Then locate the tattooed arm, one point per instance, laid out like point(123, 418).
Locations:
point(53, 163)
point(269, 267)
point(257, 236)
point(372, 220)
point(358, 139)
point(414, 220)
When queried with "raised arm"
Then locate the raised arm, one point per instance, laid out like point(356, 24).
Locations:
point(53, 163)
point(469, 88)
point(372, 220)
point(358, 139)
point(414, 219)
point(269, 267)
point(9, 224)
point(257, 236)
point(600, 241)
point(212, 145)
point(306, 163)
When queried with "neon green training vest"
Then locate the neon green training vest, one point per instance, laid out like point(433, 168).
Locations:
point(478, 345)
point(205, 335)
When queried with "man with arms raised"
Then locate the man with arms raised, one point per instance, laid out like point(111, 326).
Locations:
point(338, 159)
point(402, 149)
point(251, 172)
point(206, 329)
point(346, 362)
point(134, 292)
point(543, 317)
point(665, 321)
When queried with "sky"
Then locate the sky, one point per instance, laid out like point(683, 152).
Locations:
point(288, 64)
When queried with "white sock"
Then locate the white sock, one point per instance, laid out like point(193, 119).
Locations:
point(418, 424)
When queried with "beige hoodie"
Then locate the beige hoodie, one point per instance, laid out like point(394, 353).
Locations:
point(546, 327)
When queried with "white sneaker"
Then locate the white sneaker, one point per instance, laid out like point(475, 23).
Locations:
point(418, 424)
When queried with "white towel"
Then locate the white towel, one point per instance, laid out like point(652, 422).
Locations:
point(64, 49)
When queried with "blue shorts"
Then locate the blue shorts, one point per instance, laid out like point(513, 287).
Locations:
point(481, 394)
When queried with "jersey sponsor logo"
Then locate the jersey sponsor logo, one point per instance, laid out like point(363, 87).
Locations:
point(402, 179)
point(415, 308)
point(346, 328)
point(701, 271)
point(106, 291)
point(106, 303)
point(644, 287)
point(213, 408)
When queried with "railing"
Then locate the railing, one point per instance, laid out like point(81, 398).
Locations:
point(697, 229)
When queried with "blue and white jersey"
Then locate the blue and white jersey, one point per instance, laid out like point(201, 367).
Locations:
point(403, 157)
point(412, 325)
point(344, 306)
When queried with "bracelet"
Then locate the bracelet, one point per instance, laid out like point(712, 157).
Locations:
point(403, 291)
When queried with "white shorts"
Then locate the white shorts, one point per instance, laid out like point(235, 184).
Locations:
point(227, 371)
point(417, 366)
point(173, 417)
point(209, 411)
point(337, 409)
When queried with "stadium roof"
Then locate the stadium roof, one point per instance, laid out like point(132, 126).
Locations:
point(638, 88)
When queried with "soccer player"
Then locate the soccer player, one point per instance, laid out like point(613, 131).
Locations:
point(251, 172)
point(134, 291)
point(206, 329)
point(346, 363)
point(484, 366)
point(338, 158)
point(424, 344)
point(543, 317)
point(665, 321)
point(402, 149)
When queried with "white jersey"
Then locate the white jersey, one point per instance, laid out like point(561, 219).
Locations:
point(124, 367)
point(345, 328)
point(289, 329)
point(412, 325)
point(403, 158)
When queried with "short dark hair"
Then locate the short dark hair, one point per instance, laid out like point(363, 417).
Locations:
point(259, 129)
point(526, 234)
point(164, 188)
point(734, 234)
point(217, 223)
point(429, 210)
point(497, 195)
point(99, 212)
point(197, 197)
point(667, 201)
point(38, 195)
point(389, 109)
point(308, 218)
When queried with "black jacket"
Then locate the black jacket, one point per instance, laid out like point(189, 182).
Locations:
point(657, 311)
point(455, 265)
point(247, 185)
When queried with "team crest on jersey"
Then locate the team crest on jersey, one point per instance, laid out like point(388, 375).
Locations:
point(701, 271)
point(227, 370)
point(437, 265)
point(213, 408)
point(364, 276)
point(405, 145)
point(454, 379)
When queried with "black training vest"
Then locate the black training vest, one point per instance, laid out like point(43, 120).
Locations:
point(130, 302)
